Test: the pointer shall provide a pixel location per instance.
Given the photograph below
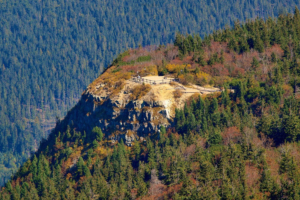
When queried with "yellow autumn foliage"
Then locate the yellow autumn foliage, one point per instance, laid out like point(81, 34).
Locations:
point(174, 68)
point(149, 71)
point(203, 75)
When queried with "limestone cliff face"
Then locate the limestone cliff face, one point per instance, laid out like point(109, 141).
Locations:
point(119, 116)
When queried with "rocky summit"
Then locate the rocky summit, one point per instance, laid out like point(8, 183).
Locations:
point(121, 115)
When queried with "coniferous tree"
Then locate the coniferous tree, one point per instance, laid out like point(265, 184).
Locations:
point(213, 106)
point(98, 132)
point(290, 126)
point(80, 166)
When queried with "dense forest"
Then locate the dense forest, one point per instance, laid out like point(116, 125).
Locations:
point(227, 145)
point(51, 50)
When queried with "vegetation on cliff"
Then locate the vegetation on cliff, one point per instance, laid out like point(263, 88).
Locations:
point(241, 145)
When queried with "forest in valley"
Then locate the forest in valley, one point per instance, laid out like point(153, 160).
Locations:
point(227, 145)
point(51, 50)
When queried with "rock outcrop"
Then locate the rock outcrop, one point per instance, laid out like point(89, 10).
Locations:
point(120, 117)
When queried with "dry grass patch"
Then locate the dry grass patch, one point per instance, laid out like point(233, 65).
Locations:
point(173, 83)
point(110, 78)
point(119, 85)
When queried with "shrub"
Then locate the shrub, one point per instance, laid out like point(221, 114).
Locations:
point(140, 91)
point(202, 78)
point(177, 94)
point(116, 70)
point(119, 85)
point(162, 71)
point(202, 75)
point(149, 70)
point(186, 79)
point(201, 81)
point(173, 83)
point(120, 57)
point(144, 58)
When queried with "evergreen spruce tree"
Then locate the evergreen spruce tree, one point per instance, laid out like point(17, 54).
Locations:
point(98, 132)
point(213, 105)
point(258, 44)
point(290, 126)
point(95, 144)
point(80, 166)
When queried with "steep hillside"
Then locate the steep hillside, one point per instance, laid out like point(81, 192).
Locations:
point(51, 50)
point(201, 119)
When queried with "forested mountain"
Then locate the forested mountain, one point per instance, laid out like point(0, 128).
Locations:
point(50, 51)
point(241, 143)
